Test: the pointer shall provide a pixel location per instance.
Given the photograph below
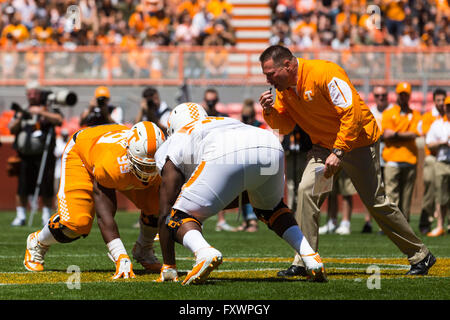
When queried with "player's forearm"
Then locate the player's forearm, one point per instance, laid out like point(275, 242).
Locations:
point(167, 243)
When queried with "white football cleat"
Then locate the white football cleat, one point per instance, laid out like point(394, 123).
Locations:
point(343, 230)
point(328, 227)
point(34, 254)
point(17, 222)
point(145, 255)
point(207, 260)
point(168, 273)
point(314, 267)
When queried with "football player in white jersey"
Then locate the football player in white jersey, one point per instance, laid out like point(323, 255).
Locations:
point(205, 164)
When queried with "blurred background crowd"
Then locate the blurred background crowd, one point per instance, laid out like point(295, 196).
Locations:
point(304, 23)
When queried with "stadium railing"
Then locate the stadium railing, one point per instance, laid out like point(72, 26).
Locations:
point(211, 65)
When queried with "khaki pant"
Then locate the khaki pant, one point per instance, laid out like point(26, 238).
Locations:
point(362, 165)
point(400, 186)
point(443, 180)
point(429, 193)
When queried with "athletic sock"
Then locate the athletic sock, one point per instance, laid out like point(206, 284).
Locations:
point(294, 236)
point(146, 234)
point(45, 237)
point(46, 213)
point(21, 213)
point(194, 241)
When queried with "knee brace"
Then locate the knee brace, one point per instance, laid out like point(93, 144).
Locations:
point(149, 220)
point(60, 232)
point(269, 216)
point(176, 219)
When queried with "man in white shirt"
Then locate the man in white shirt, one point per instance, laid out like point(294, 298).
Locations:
point(438, 141)
point(205, 164)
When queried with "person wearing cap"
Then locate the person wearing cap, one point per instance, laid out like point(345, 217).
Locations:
point(429, 201)
point(100, 111)
point(400, 129)
point(319, 96)
point(438, 141)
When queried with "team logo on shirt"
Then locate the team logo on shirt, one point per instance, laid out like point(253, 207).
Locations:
point(308, 95)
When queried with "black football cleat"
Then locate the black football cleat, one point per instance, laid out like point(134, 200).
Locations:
point(367, 228)
point(293, 271)
point(421, 268)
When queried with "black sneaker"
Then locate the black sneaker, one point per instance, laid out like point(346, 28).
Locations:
point(293, 271)
point(367, 228)
point(423, 266)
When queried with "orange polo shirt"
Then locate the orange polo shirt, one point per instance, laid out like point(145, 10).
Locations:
point(400, 151)
point(327, 106)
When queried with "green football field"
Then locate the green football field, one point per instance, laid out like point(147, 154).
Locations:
point(359, 267)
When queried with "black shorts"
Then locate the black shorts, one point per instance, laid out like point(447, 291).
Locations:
point(29, 171)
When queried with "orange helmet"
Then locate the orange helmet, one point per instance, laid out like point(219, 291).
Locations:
point(403, 87)
point(102, 92)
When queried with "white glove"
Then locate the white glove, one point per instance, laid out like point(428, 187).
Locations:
point(124, 267)
point(168, 273)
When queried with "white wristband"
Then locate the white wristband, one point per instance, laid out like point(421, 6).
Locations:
point(116, 248)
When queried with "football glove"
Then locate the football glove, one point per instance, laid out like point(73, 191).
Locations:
point(168, 273)
point(124, 268)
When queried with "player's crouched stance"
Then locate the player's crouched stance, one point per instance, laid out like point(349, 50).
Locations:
point(96, 162)
point(205, 164)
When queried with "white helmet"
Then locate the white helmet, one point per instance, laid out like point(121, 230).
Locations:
point(144, 138)
point(183, 114)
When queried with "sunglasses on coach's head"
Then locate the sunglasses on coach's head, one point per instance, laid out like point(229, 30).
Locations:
point(382, 95)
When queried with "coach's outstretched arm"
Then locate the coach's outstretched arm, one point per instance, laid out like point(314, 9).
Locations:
point(171, 183)
point(106, 207)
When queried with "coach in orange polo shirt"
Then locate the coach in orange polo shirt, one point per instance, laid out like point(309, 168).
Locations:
point(400, 130)
point(318, 96)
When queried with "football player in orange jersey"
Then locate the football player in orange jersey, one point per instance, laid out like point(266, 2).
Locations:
point(96, 162)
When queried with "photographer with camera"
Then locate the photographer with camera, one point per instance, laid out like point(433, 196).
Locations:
point(153, 109)
point(100, 111)
point(31, 127)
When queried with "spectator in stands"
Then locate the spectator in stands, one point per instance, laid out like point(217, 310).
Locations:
point(438, 141)
point(429, 200)
point(185, 33)
point(395, 11)
point(280, 34)
point(202, 20)
point(153, 109)
point(19, 31)
point(31, 128)
point(400, 129)
point(100, 111)
point(219, 8)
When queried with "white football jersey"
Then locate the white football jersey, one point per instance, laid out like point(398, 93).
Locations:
point(209, 139)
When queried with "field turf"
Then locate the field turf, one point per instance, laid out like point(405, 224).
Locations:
point(248, 272)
